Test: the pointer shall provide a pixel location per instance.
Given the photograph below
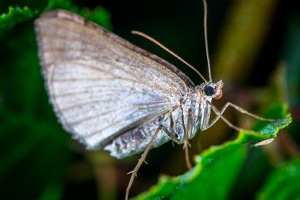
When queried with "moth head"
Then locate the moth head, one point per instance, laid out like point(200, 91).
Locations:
point(212, 89)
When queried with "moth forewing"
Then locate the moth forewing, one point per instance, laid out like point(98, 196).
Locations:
point(106, 91)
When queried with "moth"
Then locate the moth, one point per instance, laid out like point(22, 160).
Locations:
point(112, 95)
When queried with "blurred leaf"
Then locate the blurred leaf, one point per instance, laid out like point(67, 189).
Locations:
point(246, 27)
point(14, 16)
point(217, 168)
point(283, 183)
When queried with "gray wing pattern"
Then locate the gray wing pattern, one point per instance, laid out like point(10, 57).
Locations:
point(99, 84)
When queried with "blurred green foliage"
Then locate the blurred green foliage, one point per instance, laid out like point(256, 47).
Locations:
point(283, 183)
point(37, 157)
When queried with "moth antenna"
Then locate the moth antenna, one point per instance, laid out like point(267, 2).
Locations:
point(206, 40)
point(169, 51)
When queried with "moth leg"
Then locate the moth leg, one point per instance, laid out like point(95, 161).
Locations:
point(171, 133)
point(140, 162)
point(239, 109)
point(186, 144)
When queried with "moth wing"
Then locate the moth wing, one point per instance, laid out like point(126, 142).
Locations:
point(99, 84)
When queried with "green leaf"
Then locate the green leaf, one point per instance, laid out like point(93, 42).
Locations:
point(14, 16)
point(217, 168)
point(283, 183)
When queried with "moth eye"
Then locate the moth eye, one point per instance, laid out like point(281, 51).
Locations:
point(209, 91)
